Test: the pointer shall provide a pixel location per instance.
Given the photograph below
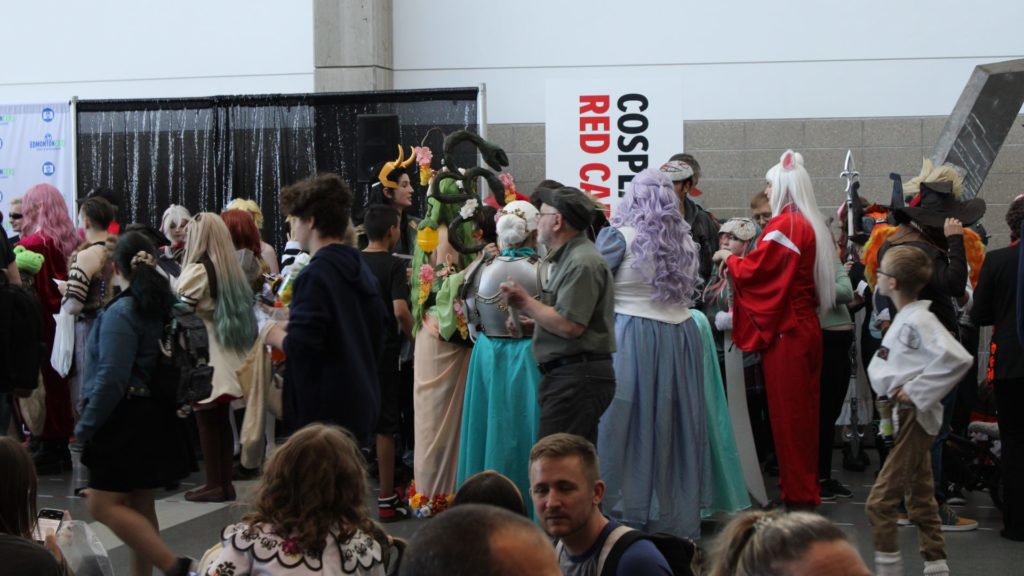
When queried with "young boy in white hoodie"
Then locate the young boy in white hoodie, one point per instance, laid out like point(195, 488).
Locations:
point(918, 363)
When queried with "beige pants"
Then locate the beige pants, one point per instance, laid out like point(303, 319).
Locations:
point(438, 389)
point(907, 476)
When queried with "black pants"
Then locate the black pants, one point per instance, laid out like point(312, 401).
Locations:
point(573, 398)
point(757, 406)
point(967, 389)
point(835, 382)
point(1010, 403)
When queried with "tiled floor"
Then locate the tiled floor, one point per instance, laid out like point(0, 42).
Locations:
point(192, 528)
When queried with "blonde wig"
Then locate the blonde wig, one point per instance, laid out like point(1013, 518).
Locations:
point(932, 173)
point(234, 320)
point(249, 206)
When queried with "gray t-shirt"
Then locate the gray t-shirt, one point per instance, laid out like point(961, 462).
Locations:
point(581, 288)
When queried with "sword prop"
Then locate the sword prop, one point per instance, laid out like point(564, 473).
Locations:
point(853, 207)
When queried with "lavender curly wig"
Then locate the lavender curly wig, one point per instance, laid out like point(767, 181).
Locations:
point(664, 252)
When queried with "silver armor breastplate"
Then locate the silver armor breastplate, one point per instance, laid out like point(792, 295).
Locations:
point(486, 310)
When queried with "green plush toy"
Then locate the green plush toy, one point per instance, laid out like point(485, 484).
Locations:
point(27, 260)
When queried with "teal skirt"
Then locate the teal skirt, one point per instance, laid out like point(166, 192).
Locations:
point(500, 414)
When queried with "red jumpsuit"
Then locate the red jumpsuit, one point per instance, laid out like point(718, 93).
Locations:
point(775, 313)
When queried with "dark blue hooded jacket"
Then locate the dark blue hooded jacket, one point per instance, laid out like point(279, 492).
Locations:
point(335, 338)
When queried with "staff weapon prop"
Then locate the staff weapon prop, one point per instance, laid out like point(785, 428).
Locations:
point(853, 224)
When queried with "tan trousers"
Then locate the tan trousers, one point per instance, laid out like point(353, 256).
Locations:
point(907, 476)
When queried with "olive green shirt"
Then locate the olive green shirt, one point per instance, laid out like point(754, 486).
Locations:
point(580, 287)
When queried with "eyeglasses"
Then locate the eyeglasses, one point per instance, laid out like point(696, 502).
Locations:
point(543, 214)
point(883, 273)
point(14, 216)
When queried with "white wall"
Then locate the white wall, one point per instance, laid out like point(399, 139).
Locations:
point(147, 49)
point(738, 59)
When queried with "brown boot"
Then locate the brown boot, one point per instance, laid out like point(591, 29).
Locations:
point(210, 427)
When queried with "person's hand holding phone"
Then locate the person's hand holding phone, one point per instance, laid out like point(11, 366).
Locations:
point(48, 523)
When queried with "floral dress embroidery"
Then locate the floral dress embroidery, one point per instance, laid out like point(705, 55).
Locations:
point(257, 550)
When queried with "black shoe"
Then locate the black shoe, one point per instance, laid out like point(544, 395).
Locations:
point(836, 488)
point(1010, 536)
point(825, 493)
point(392, 509)
point(182, 568)
point(52, 458)
point(954, 495)
point(242, 473)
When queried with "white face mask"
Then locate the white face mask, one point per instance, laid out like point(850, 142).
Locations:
point(81, 222)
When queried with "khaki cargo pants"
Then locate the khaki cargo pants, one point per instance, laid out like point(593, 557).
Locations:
point(907, 476)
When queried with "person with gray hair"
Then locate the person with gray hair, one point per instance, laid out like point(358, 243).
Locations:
point(573, 336)
point(500, 413)
point(477, 539)
point(774, 543)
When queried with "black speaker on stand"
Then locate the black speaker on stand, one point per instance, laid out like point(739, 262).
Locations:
point(376, 143)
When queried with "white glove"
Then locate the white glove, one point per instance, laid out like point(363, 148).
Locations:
point(723, 321)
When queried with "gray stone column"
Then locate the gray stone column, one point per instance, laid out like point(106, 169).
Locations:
point(352, 45)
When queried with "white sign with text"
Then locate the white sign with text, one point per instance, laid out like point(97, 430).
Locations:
point(600, 133)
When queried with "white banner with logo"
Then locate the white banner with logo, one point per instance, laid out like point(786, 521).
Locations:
point(35, 147)
point(600, 133)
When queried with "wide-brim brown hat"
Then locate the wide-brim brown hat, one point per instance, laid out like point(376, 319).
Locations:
point(938, 203)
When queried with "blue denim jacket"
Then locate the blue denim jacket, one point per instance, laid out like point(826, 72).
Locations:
point(122, 352)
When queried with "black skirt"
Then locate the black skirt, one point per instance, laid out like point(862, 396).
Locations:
point(143, 445)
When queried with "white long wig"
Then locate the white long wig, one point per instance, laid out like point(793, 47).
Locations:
point(791, 184)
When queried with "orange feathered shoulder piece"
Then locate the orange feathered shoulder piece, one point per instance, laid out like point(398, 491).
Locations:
point(974, 249)
point(869, 256)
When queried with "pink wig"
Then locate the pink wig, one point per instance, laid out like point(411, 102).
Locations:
point(46, 213)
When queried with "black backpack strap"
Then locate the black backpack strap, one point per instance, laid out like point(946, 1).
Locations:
point(678, 552)
point(211, 275)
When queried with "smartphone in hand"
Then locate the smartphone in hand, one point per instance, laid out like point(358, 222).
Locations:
point(47, 520)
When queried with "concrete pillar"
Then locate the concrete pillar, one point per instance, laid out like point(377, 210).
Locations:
point(352, 45)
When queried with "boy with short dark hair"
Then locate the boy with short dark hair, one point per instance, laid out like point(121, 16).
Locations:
point(381, 224)
point(918, 363)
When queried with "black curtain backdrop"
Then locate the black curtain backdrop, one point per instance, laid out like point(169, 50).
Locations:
point(202, 152)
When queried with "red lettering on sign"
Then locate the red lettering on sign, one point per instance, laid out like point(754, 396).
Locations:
point(585, 171)
point(595, 190)
point(594, 143)
point(594, 104)
point(595, 123)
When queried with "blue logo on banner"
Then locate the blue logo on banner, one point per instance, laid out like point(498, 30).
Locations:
point(48, 114)
point(48, 168)
point(1, 143)
point(47, 143)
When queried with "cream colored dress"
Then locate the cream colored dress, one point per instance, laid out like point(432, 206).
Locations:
point(194, 290)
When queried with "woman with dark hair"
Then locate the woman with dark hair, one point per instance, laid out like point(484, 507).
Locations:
point(490, 487)
point(48, 230)
point(88, 287)
point(133, 443)
point(395, 188)
point(654, 434)
point(18, 492)
point(309, 513)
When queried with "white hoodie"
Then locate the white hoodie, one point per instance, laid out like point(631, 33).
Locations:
point(920, 355)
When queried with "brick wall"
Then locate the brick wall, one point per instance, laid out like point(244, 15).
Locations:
point(734, 155)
